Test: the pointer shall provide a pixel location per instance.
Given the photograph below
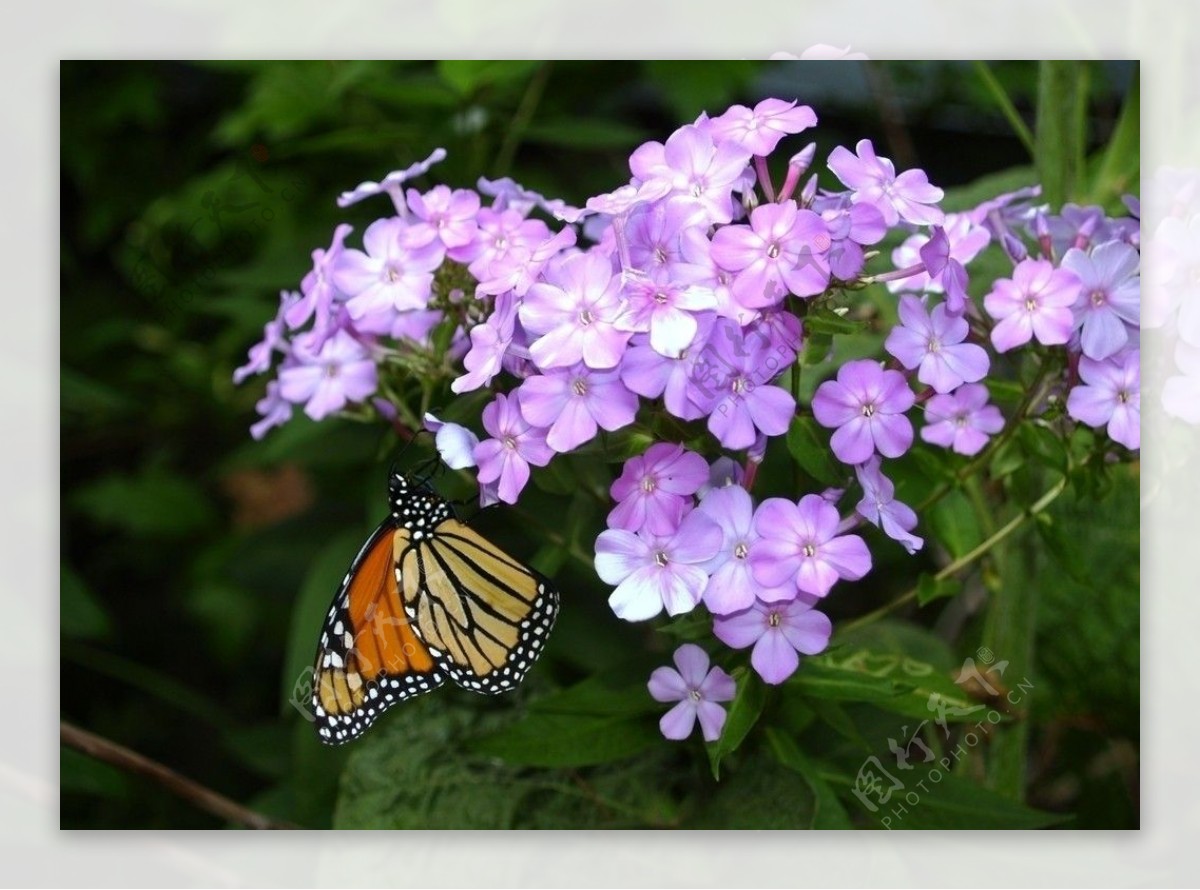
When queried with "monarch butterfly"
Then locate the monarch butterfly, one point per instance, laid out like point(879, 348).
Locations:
point(426, 599)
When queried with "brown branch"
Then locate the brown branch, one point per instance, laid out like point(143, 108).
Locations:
point(193, 792)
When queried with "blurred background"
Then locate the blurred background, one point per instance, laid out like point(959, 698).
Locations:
point(196, 563)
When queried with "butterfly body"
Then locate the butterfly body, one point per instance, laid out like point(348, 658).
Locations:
point(428, 599)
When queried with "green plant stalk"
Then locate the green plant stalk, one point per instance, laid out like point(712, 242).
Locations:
point(966, 559)
point(1006, 106)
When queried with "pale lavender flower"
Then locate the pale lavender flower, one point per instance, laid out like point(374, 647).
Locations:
point(392, 184)
point(518, 269)
point(451, 214)
point(665, 311)
point(1110, 396)
point(908, 197)
point(573, 402)
point(649, 373)
point(693, 168)
point(962, 420)
point(698, 691)
point(779, 633)
point(1035, 302)
point(394, 274)
point(489, 343)
point(653, 234)
point(317, 286)
point(502, 238)
point(653, 572)
point(652, 488)
point(273, 340)
point(1109, 300)
point(511, 195)
point(731, 584)
point(274, 410)
point(734, 382)
point(880, 507)
point(945, 270)
point(800, 545)
point(340, 371)
point(571, 314)
point(966, 239)
point(782, 249)
point(504, 460)
point(866, 405)
point(758, 131)
point(455, 443)
point(933, 341)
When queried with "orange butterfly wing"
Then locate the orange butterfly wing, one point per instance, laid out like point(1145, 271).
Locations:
point(369, 657)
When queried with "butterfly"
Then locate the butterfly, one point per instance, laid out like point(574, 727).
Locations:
point(427, 599)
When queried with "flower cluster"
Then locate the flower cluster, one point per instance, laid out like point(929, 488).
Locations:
point(677, 300)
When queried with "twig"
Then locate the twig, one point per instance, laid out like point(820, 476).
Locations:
point(193, 792)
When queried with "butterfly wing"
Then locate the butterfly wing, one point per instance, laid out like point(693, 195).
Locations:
point(483, 615)
point(369, 657)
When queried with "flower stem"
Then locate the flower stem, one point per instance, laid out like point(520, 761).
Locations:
point(966, 559)
point(1020, 128)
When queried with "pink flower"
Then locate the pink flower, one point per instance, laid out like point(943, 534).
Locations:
point(1035, 302)
point(962, 420)
point(698, 691)
point(779, 633)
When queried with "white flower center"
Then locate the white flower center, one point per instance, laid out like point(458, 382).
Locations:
point(809, 550)
point(868, 410)
point(579, 386)
point(774, 619)
point(660, 558)
point(586, 317)
point(510, 443)
point(649, 484)
point(740, 551)
point(1098, 298)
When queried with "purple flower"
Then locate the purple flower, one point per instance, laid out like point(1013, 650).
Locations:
point(697, 689)
point(273, 340)
point(866, 404)
point(966, 239)
point(653, 235)
point(874, 181)
point(1109, 299)
point(649, 373)
point(783, 249)
point(454, 442)
point(962, 420)
point(665, 311)
point(1035, 302)
point(945, 270)
point(736, 387)
point(392, 184)
point(656, 571)
point(758, 131)
point(395, 273)
point(451, 214)
point(723, 472)
point(318, 287)
point(692, 167)
point(778, 632)
point(850, 227)
point(515, 445)
point(1110, 396)
point(518, 269)
point(731, 585)
point(273, 409)
point(489, 343)
point(880, 507)
point(572, 314)
point(800, 546)
point(511, 195)
point(502, 238)
point(340, 371)
point(651, 489)
point(573, 402)
point(933, 342)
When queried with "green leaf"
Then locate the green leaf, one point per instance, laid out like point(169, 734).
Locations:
point(619, 691)
point(829, 322)
point(816, 349)
point(81, 774)
point(81, 614)
point(1043, 445)
point(547, 740)
point(1061, 132)
point(1121, 158)
point(946, 801)
point(582, 133)
point(955, 524)
point(929, 588)
point(808, 443)
point(828, 812)
point(744, 711)
point(156, 503)
point(466, 76)
point(889, 680)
